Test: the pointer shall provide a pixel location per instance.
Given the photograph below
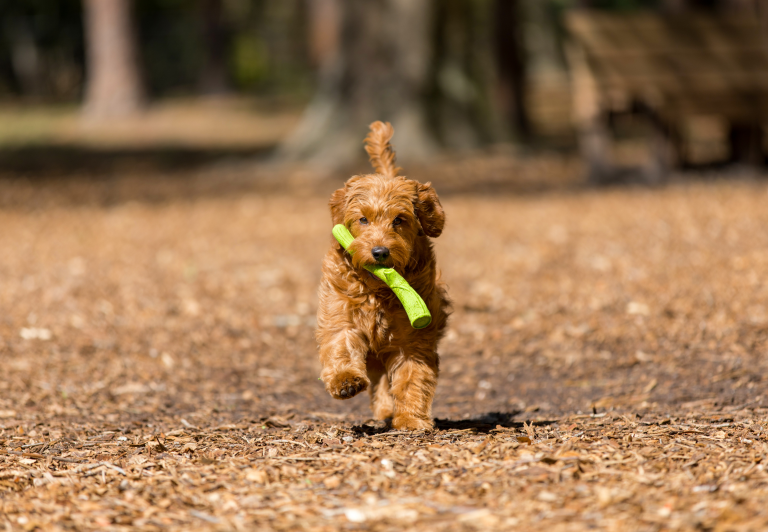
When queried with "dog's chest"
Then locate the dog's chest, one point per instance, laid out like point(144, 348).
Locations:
point(384, 323)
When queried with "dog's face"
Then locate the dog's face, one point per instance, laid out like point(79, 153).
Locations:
point(386, 215)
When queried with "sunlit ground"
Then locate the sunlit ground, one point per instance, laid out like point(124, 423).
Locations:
point(160, 366)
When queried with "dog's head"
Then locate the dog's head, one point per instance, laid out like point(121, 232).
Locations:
point(387, 216)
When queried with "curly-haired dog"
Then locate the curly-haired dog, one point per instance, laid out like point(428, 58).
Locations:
point(366, 340)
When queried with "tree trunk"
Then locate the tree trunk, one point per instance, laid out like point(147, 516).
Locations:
point(380, 73)
point(214, 79)
point(324, 18)
point(510, 55)
point(113, 86)
point(425, 66)
point(25, 56)
point(463, 109)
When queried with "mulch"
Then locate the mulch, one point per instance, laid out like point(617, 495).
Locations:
point(605, 366)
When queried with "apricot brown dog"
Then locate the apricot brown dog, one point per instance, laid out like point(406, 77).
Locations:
point(365, 338)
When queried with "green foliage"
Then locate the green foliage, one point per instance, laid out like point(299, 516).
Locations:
point(249, 61)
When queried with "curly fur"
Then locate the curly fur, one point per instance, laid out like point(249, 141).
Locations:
point(364, 336)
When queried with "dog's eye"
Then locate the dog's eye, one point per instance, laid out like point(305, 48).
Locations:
point(397, 221)
point(364, 220)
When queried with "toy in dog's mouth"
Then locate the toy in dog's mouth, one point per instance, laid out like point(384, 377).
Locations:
point(418, 313)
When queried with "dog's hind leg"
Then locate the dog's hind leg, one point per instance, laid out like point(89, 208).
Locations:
point(412, 383)
point(381, 401)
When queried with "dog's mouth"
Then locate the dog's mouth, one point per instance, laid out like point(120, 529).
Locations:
point(389, 263)
point(364, 262)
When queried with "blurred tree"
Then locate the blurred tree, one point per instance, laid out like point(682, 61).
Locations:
point(510, 55)
point(25, 56)
point(426, 66)
point(172, 46)
point(324, 20)
point(41, 49)
point(269, 51)
point(183, 47)
point(214, 76)
point(380, 72)
point(113, 86)
point(463, 101)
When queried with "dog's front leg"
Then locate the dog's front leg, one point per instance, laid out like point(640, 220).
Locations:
point(412, 383)
point(343, 359)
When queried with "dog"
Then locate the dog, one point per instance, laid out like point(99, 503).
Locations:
point(364, 336)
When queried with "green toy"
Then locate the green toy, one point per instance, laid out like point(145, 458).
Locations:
point(414, 306)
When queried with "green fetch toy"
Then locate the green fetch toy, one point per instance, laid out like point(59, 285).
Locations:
point(414, 306)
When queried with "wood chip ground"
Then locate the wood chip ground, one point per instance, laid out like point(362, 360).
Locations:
point(605, 366)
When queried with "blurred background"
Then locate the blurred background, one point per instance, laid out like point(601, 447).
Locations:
point(632, 89)
point(165, 168)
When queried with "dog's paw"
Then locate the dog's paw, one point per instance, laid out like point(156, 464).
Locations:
point(411, 423)
point(346, 385)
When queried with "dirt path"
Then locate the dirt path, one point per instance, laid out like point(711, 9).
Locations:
point(160, 369)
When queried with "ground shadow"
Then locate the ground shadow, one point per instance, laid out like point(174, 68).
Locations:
point(482, 424)
point(45, 161)
point(43, 175)
point(487, 422)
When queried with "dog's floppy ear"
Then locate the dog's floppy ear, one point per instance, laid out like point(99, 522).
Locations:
point(337, 204)
point(338, 201)
point(428, 210)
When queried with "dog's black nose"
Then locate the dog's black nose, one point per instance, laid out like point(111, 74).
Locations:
point(380, 253)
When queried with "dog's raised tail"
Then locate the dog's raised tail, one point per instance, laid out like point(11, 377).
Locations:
point(379, 149)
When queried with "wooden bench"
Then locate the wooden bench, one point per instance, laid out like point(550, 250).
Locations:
point(670, 68)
